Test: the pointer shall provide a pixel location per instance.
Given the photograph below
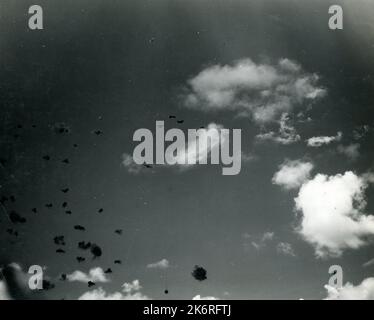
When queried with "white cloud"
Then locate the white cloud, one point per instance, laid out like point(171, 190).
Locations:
point(162, 264)
point(286, 134)
point(363, 291)
point(95, 275)
point(332, 217)
point(198, 297)
point(262, 91)
point(286, 249)
point(129, 287)
point(292, 174)
point(323, 140)
point(130, 291)
point(350, 151)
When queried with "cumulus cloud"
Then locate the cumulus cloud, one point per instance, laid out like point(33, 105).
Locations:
point(351, 151)
point(323, 140)
point(286, 249)
point(199, 297)
point(261, 91)
point(292, 174)
point(162, 264)
point(95, 275)
point(286, 134)
point(130, 291)
point(363, 291)
point(332, 213)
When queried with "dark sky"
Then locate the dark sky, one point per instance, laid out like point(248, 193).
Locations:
point(117, 66)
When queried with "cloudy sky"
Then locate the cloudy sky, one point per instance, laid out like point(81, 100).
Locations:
point(74, 93)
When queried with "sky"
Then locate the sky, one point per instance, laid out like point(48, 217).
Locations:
point(301, 94)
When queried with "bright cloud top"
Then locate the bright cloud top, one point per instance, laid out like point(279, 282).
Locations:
point(292, 174)
point(262, 91)
point(130, 291)
point(363, 291)
point(94, 275)
point(332, 217)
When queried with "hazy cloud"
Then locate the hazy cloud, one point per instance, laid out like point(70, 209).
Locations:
point(258, 242)
point(130, 165)
point(286, 134)
point(368, 263)
point(286, 249)
point(162, 264)
point(350, 151)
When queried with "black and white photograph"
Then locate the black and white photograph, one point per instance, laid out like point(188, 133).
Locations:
point(188, 150)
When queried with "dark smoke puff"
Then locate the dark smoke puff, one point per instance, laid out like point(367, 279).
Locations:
point(96, 251)
point(199, 273)
point(16, 218)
